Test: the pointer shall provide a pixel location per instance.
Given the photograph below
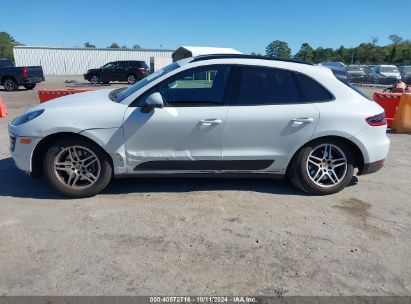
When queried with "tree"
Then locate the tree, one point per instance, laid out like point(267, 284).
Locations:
point(136, 46)
point(89, 45)
point(395, 39)
point(114, 45)
point(6, 45)
point(278, 49)
point(305, 53)
point(124, 46)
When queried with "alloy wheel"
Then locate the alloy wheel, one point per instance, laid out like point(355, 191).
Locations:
point(77, 167)
point(131, 79)
point(326, 165)
point(9, 85)
point(94, 79)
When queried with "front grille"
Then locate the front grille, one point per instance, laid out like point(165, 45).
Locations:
point(12, 142)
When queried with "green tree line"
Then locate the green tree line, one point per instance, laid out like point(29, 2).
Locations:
point(397, 52)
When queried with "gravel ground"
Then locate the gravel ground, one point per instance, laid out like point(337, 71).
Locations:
point(204, 236)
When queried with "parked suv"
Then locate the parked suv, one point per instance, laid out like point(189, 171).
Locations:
point(214, 115)
point(12, 77)
point(385, 74)
point(405, 72)
point(355, 73)
point(129, 70)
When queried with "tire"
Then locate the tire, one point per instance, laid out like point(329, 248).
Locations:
point(10, 84)
point(131, 79)
point(76, 167)
point(314, 172)
point(106, 82)
point(94, 79)
point(29, 86)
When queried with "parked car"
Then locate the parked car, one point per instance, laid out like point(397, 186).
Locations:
point(128, 70)
point(369, 71)
point(384, 74)
point(338, 69)
point(12, 77)
point(405, 71)
point(355, 73)
point(211, 115)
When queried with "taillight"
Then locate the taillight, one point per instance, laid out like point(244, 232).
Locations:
point(377, 120)
point(24, 72)
point(141, 70)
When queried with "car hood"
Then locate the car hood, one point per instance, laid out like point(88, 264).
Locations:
point(390, 74)
point(74, 113)
point(356, 72)
point(93, 70)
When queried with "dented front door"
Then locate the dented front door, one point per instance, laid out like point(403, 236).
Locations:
point(177, 139)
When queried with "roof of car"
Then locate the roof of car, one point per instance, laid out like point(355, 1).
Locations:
point(243, 56)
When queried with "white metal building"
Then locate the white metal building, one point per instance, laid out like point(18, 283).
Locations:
point(76, 61)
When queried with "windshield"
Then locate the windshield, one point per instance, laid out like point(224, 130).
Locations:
point(389, 70)
point(407, 69)
point(143, 82)
point(355, 68)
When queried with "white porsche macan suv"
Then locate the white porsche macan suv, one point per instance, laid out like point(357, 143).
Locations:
point(220, 115)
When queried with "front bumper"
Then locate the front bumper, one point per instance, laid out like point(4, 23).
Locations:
point(22, 152)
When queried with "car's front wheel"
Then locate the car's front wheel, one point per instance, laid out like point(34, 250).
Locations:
point(94, 79)
point(77, 167)
point(322, 167)
point(10, 84)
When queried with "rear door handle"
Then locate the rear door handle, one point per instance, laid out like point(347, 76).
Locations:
point(301, 120)
point(211, 121)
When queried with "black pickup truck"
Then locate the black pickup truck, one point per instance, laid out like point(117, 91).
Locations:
point(12, 77)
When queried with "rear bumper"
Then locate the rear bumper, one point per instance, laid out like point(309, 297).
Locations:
point(371, 167)
point(32, 80)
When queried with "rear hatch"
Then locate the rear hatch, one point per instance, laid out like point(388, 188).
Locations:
point(34, 71)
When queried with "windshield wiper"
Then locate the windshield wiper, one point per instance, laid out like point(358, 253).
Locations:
point(113, 94)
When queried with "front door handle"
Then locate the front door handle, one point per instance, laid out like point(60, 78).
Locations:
point(301, 120)
point(211, 121)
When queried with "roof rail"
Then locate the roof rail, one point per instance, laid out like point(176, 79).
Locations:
point(243, 56)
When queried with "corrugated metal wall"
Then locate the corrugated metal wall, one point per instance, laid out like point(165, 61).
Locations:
point(76, 61)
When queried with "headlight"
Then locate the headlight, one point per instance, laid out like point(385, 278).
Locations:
point(22, 119)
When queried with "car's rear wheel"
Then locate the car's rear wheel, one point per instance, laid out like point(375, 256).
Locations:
point(77, 167)
point(131, 79)
point(94, 79)
point(29, 86)
point(322, 167)
point(10, 84)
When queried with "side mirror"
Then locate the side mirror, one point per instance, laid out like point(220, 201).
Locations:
point(152, 101)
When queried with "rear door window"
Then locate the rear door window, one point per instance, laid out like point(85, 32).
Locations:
point(265, 86)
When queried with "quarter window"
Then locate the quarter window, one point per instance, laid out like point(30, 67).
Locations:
point(197, 87)
point(264, 86)
point(312, 90)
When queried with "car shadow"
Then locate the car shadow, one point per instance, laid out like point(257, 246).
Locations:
point(16, 183)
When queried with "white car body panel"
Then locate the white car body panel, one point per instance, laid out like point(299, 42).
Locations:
point(178, 133)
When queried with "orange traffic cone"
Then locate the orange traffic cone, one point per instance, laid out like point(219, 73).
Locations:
point(3, 108)
point(402, 120)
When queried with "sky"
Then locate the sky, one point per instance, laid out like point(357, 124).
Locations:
point(246, 25)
